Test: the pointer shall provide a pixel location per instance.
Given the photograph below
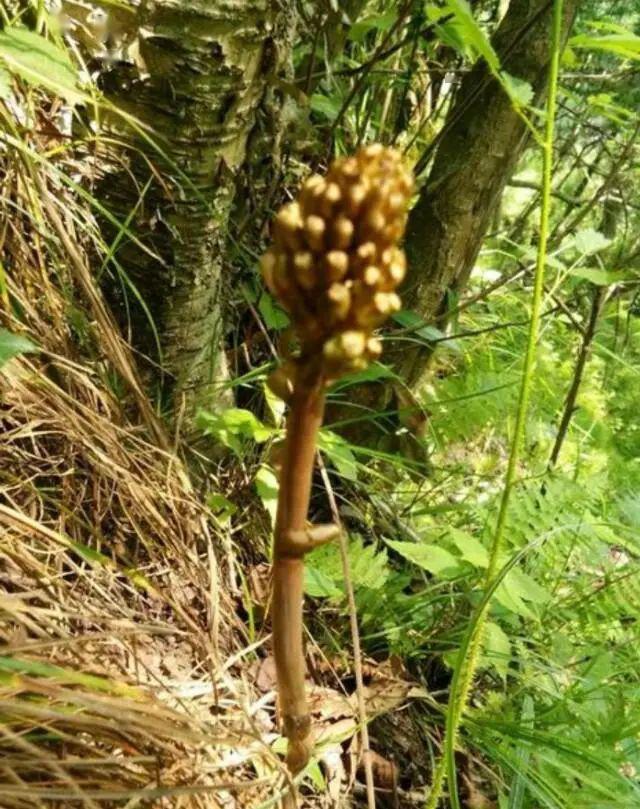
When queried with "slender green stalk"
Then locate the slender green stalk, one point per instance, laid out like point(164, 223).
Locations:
point(470, 650)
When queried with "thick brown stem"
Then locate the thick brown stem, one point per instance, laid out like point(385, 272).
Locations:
point(303, 423)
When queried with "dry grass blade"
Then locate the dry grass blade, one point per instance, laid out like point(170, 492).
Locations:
point(118, 685)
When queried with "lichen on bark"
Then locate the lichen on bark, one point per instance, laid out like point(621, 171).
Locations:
point(203, 68)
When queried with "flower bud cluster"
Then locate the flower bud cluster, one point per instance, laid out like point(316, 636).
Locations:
point(335, 262)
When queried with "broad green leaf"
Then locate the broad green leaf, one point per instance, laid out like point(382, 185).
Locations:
point(39, 668)
point(368, 565)
point(591, 241)
point(323, 105)
point(318, 584)
point(12, 345)
point(39, 62)
point(376, 22)
point(458, 28)
point(496, 648)
point(507, 595)
point(608, 26)
point(372, 373)
point(626, 45)
point(339, 454)
point(570, 58)
point(431, 558)
point(275, 404)
point(223, 508)
point(601, 278)
point(315, 774)
point(462, 32)
point(250, 292)
point(409, 319)
point(233, 426)
point(245, 423)
point(5, 83)
point(274, 317)
point(518, 90)
point(471, 549)
point(267, 486)
point(527, 587)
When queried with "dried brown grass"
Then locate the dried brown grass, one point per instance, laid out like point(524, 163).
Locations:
point(120, 678)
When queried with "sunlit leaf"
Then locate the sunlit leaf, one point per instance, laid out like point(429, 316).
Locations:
point(325, 106)
point(222, 507)
point(39, 62)
point(339, 454)
point(233, 426)
point(590, 241)
point(318, 584)
point(376, 22)
point(274, 316)
point(12, 345)
point(431, 558)
point(267, 487)
point(625, 45)
point(5, 83)
point(462, 31)
point(519, 91)
point(368, 567)
point(471, 549)
point(496, 648)
point(598, 277)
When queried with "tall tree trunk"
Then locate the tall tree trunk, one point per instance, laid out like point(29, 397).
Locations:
point(204, 83)
point(482, 140)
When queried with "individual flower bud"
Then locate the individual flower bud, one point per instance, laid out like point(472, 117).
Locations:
point(374, 223)
point(394, 302)
point(374, 348)
point(353, 343)
point(356, 197)
point(288, 225)
point(331, 196)
point(376, 150)
point(405, 182)
point(303, 269)
point(397, 273)
point(394, 230)
point(314, 228)
point(396, 202)
point(371, 276)
point(267, 266)
point(312, 190)
point(366, 253)
point(382, 303)
point(349, 167)
point(340, 300)
point(342, 232)
point(337, 264)
point(280, 274)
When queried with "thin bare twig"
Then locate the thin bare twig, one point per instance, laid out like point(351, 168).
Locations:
point(355, 636)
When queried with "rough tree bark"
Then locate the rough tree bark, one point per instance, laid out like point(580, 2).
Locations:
point(482, 140)
point(204, 83)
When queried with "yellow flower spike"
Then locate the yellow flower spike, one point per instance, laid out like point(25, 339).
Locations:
point(336, 261)
point(334, 266)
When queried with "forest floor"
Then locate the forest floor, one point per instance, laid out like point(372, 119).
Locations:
point(127, 676)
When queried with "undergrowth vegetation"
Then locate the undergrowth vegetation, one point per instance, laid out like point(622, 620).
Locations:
point(136, 523)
